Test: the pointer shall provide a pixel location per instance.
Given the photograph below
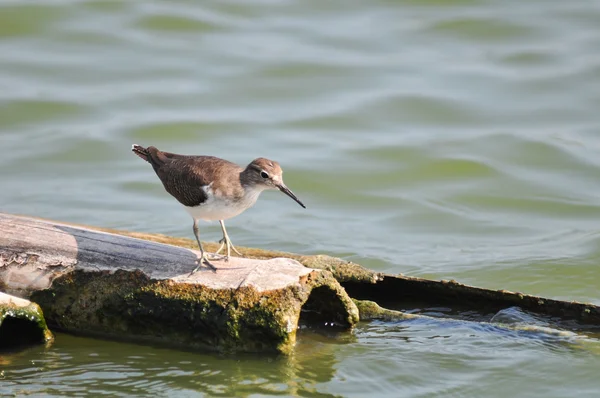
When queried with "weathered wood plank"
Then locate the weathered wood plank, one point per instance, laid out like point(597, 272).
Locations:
point(96, 282)
point(397, 292)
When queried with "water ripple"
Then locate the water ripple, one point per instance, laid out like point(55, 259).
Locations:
point(450, 139)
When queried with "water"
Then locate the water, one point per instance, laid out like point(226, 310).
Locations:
point(444, 139)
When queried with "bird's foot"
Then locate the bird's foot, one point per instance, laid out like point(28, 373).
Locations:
point(203, 260)
point(216, 256)
point(226, 243)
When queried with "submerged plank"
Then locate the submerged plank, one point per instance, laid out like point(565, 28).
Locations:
point(410, 293)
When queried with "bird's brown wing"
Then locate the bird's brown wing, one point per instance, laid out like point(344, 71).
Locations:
point(186, 177)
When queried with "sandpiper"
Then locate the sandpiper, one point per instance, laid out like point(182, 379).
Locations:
point(212, 188)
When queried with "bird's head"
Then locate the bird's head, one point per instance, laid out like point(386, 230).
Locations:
point(268, 174)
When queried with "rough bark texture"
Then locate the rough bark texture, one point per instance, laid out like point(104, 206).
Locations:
point(104, 284)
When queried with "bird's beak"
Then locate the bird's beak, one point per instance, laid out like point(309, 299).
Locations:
point(289, 193)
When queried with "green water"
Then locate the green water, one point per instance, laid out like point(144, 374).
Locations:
point(453, 139)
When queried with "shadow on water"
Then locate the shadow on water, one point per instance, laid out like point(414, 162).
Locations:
point(16, 333)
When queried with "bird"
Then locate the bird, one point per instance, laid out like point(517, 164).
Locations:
point(211, 188)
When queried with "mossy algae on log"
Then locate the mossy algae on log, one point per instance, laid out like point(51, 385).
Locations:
point(21, 323)
point(400, 291)
point(98, 283)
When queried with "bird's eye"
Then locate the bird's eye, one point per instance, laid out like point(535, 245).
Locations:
point(264, 174)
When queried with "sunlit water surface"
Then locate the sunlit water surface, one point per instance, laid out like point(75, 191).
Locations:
point(444, 139)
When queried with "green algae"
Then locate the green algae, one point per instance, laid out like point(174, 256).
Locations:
point(363, 283)
point(370, 310)
point(23, 325)
point(131, 306)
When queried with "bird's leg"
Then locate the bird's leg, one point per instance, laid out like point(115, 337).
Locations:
point(203, 255)
point(226, 242)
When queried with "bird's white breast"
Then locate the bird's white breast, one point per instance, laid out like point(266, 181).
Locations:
point(220, 207)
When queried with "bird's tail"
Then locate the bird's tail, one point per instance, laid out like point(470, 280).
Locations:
point(141, 152)
point(151, 155)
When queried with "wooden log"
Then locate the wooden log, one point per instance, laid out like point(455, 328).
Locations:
point(405, 293)
point(103, 284)
point(21, 323)
point(413, 293)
